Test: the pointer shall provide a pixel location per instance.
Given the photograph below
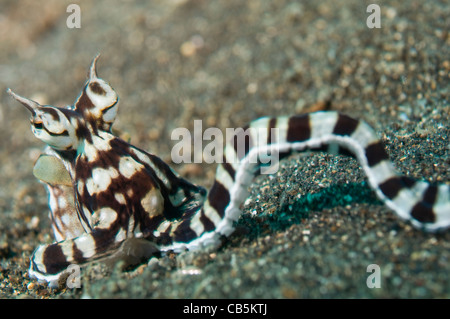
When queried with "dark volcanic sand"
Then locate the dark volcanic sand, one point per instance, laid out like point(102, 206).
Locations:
point(228, 62)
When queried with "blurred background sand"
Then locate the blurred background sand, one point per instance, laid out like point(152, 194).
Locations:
point(228, 62)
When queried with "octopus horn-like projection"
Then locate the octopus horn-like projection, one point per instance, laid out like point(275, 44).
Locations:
point(31, 105)
point(105, 192)
point(93, 68)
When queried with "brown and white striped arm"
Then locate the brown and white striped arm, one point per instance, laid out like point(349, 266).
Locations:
point(426, 206)
point(103, 191)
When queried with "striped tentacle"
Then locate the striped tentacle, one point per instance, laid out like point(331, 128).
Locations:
point(426, 206)
point(104, 192)
point(50, 169)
